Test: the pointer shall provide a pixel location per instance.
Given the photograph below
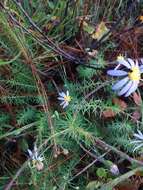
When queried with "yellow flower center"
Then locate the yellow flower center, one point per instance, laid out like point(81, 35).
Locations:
point(34, 162)
point(120, 57)
point(67, 98)
point(141, 18)
point(135, 74)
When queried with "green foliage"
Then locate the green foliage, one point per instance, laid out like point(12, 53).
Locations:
point(94, 185)
point(77, 128)
point(101, 172)
point(26, 116)
point(32, 72)
point(120, 134)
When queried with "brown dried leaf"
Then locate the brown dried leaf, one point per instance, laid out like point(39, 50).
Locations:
point(131, 187)
point(139, 173)
point(101, 30)
point(137, 99)
point(120, 103)
point(136, 116)
point(109, 113)
point(127, 185)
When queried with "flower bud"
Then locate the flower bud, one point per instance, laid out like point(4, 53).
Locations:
point(39, 166)
point(65, 151)
point(114, 169)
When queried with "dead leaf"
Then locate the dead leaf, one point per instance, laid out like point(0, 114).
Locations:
point(131, 187)
point(101, 30)
point(109, 113)
point(122, 104)
point(136, 116)
point(139, 173)
point(137, 99)
point(127, 185)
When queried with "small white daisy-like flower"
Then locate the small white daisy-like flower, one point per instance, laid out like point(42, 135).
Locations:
point(131, 78)
point(138, 142)
point(37, 160)
point(64, 98)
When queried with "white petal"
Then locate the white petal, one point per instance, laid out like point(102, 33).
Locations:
point(30, 153)
point(125, 88)
point(136, 141)
point(141, 68)
point(60, 98)
point(140, 133)
point(62, 103)
point(125, 63)
point(136, 63)
point(139, 146)
point(35, 148)
point(138, 136)
point(66, 104)
point(40, 158)
point(141, 60)
point(67, 93)
point(62, 94)
point(116, 73)
point(131, 61)
point(132, 89)
point(120, 83)
point(35, 151)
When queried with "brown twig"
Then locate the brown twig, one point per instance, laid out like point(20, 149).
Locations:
point(88, 166)
point(52, 44)
point(123, 155)
point(10, 184)
point(46, 105)
point(100, 159)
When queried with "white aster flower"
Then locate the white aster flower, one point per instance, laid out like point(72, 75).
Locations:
point(132, 77)
point(37, 160)
point(138, 141)
point(64, 98)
